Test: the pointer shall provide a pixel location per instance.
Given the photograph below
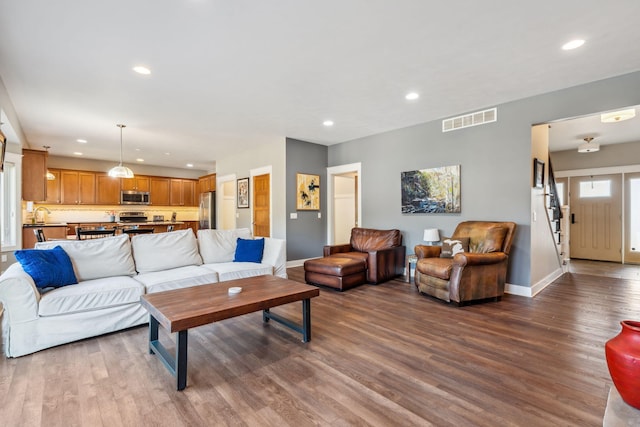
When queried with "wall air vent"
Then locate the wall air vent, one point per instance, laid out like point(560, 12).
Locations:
point(468, 120)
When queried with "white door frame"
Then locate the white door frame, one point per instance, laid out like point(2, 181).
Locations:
point(340, 170)
point(264, 170)
point(220, 196)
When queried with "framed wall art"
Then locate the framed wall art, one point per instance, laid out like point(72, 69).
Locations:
point(243, 193)
point(307, 192)
point(435, 190)
point(538, 173)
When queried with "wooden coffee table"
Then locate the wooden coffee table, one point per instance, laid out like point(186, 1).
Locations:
point(180, 309)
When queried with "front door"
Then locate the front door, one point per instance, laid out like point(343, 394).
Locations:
point(596, 217)
point(261, 206)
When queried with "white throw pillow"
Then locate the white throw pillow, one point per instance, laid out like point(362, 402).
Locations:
point(97, 258)
point(220, 245)
point(162, 251)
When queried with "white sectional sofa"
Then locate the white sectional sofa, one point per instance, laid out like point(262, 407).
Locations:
point(113, 273)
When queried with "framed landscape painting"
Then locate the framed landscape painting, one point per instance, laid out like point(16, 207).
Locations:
point(435, 190)
point(307, 192)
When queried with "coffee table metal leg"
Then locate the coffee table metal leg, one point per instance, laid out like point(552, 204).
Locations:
point(305, 329)
point(306, 320)
point(181, 359)
point(153, 333)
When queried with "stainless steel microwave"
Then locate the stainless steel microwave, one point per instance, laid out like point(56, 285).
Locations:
point(134, 197)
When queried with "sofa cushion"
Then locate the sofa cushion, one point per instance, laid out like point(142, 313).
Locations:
point(368, 239)
point(164, 251)
point(451, 246)
point(248, 250)
point(91, 295)
point(97, 258)
point(220, 245)
point(47, 267)
point(176, 278)
point(239, 270)
point(437, 267)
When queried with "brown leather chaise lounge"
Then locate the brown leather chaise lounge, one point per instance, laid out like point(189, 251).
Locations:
point(372, 256)
point(478, 274)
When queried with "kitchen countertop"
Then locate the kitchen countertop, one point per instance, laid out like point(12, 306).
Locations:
point(46, 224)
point(119, 224)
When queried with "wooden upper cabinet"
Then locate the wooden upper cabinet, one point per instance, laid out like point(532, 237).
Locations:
point(159, 190)
point(53, 187)
point(137, 183)
point(107, 190)
point(207, 183)
point(77, 187)
point(183, 192)
point(34, 175)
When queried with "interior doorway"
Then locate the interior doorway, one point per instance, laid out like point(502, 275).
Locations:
point(227, 212)
point(596, 217)
point(344, 202)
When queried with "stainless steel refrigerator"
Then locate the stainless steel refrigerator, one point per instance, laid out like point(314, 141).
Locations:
point(207, 211)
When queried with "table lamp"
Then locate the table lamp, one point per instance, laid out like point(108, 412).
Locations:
point(431, 235)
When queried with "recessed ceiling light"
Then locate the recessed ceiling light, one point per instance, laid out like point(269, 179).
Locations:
point(167, 154)
point(142, 70)
point(189, 165)
point(137, 149)
point(77, 153)
point(328, 123)
point(573, 44)
point(140, 160)
point(411, 96)
point(81, 141)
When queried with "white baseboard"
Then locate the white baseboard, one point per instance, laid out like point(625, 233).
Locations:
point(298, 262)
point(526, 291)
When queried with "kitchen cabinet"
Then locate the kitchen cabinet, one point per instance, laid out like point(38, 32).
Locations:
point(29, 238)
point(53, 187)
point(207, 183)
point(34, 175)
point(137, 183)
point(182, 192)
point(159, 190)
point(107, 190)
point(77, 187)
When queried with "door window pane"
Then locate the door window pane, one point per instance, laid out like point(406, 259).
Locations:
point(595, 188)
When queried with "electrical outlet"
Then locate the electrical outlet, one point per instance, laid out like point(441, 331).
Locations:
point(319, 215)
point(4, 258)
point(293, 215)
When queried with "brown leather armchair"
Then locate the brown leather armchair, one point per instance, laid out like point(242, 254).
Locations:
point(477, 274)
point(382, 251)
point(372, 256)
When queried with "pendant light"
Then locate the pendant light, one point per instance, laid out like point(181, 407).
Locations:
point(588, 146)
point(120, 171)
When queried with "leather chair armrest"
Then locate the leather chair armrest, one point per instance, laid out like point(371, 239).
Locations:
point(469, 258)
point(336, 249)
point(384, 264)
point(424, 251)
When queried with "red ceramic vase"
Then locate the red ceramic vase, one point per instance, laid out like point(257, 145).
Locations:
point(623, 359)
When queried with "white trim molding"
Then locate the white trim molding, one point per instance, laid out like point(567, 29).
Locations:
point(526, 291)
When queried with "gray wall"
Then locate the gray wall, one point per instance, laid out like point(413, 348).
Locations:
point(495, 164)
point(307, 234)
point(608, 156)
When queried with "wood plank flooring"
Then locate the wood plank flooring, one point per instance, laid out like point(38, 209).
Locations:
point(380, 355)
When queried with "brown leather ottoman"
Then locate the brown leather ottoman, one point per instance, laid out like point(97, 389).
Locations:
point(335, 271)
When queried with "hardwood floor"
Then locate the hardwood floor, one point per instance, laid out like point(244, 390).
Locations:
point(379, 355)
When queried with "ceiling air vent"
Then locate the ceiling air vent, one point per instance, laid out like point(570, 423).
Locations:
point(468, 120)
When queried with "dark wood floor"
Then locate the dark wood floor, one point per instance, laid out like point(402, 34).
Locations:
point(380, 355)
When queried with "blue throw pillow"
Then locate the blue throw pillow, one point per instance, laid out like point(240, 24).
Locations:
point(47, 267)
point(249, 250)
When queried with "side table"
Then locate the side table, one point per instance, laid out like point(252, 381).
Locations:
point(410, 260)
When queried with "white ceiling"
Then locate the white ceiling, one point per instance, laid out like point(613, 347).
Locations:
point(227, 75)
